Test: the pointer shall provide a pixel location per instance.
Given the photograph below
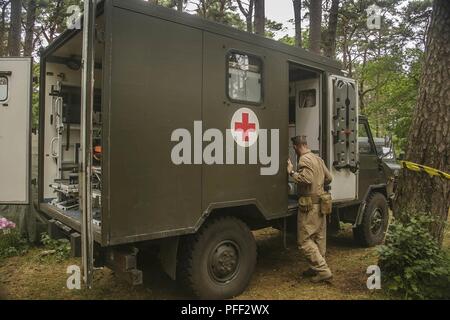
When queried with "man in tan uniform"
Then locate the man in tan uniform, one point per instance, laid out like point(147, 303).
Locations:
point(311, 176)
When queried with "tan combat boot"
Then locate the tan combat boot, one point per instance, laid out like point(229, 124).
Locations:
point(309, 273)
point(322, 276)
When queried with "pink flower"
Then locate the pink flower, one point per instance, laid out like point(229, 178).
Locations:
point(6, 224)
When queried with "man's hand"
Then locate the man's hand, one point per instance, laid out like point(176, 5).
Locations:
point(290, 166)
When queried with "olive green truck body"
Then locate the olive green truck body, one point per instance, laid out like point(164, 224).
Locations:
point(157, 71)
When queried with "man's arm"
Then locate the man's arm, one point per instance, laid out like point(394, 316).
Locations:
point(305, 172)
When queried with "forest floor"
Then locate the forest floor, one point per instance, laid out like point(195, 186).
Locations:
point(277, 275)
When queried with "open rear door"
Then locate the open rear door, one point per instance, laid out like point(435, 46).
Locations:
point(15, 126)
point(343, 124)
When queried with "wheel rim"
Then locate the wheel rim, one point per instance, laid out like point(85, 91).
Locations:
point(376, 221)
point(224, 261)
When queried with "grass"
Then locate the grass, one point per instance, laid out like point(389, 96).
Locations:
point(277, 275)
point(278, 272)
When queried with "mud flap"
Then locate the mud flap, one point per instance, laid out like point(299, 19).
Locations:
point(168, 256)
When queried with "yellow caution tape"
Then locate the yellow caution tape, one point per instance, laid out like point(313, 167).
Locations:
point(420, 168)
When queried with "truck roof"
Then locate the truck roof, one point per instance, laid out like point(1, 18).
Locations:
point(142, 7)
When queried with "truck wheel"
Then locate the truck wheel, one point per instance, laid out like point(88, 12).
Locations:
point(218, 261)
point(374, 223)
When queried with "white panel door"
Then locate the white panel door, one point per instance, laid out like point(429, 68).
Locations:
point(15, 113)
point(343, 137)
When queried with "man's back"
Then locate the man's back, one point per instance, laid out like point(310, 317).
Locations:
point(313, 174)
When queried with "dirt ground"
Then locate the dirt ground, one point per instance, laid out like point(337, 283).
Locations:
point(277, 275)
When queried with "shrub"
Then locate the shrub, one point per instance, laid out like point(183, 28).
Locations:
point(412, 264)
point(59, 247)
point(12, 244)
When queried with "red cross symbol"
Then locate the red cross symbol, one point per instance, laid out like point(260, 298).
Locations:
point(245, 127)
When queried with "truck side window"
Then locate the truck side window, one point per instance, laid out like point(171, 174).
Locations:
point(365, 146)
point(3, 89)
point(244, 78)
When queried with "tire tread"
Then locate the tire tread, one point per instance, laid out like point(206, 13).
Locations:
point(185, 265)
point(359, 233)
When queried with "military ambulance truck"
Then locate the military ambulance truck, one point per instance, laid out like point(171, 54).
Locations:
point(191, 131)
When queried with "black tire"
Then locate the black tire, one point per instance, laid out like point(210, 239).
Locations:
point(218, 261)
point(372, 230)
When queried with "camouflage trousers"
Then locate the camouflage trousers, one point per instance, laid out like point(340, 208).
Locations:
point(312, 239)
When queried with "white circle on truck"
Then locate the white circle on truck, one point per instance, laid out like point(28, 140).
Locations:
point(244, 127)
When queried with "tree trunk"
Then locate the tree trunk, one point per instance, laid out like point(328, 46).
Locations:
point(221, 11)
point(362, 105)
point(248, 14)
point(315, 25)
point(29, 28)
point(429, 136)
point(330, 46)
point(3, 30)
point(202, 10)
point(180, 5)
point(249, 22)
point(260, 17)
point(15, 29)
point(298, 22)
point(344, 46)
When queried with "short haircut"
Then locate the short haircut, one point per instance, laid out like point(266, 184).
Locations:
point(299, 140)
